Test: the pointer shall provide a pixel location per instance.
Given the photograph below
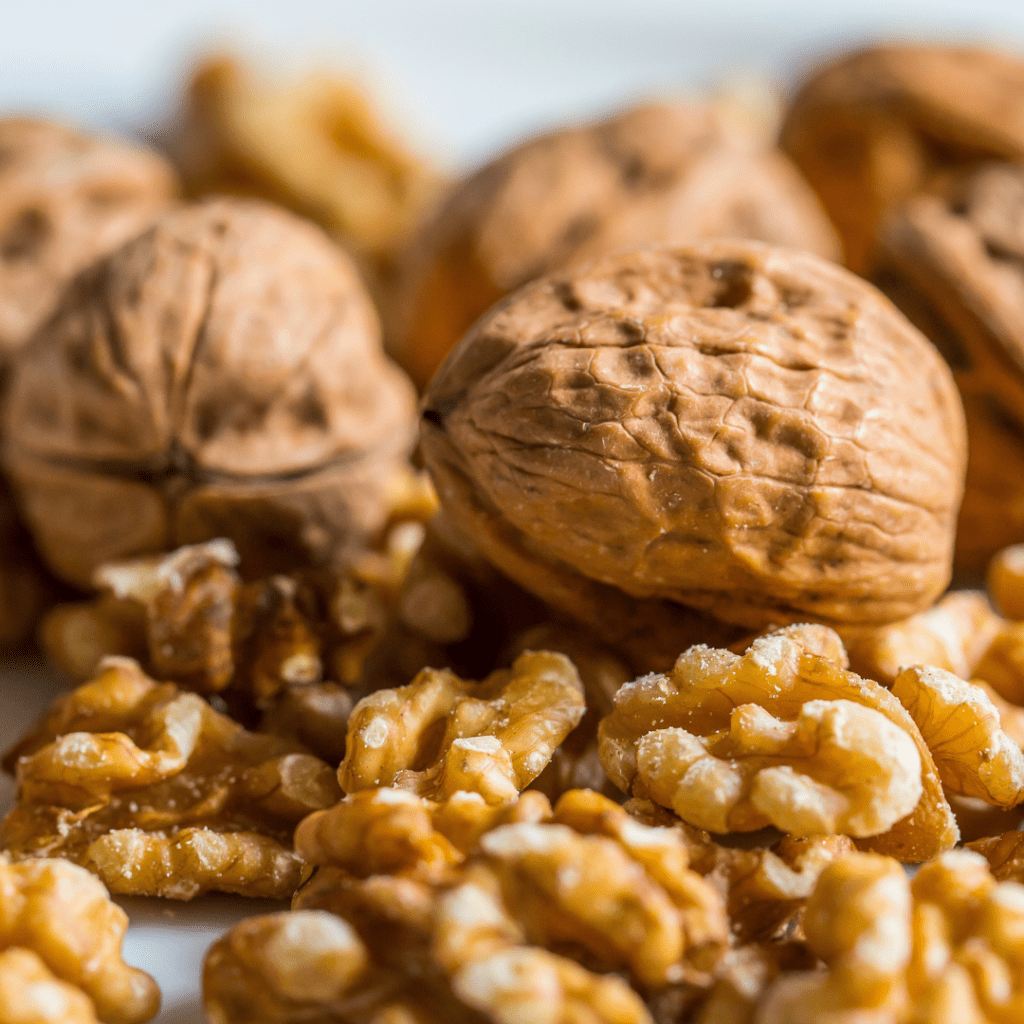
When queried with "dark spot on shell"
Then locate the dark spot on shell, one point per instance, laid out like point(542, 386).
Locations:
point(309, 410)
point(566, 295)
point(24, 235)
point(733, 284)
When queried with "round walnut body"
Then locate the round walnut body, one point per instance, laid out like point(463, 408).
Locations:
point(731, 426)
point(220, 375)
point(65, 200)
point(952, 261)
point(656, 173)
point(874, 127)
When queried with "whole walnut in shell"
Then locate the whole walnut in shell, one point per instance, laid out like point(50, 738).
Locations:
point(220, 375)
point(874, 127)
point(65, 199)
point(668, 172)
point(730, 426)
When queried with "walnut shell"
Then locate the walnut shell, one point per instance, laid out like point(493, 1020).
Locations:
point(952, 263)
point(654, 173)
point(730, 425)
point(65, 200)
point(220, 375)
point(872, 127)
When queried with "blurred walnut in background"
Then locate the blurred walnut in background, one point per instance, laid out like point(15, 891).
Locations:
point(221, 375)
point(317, 145)
point(873, 128)
point(655, 173)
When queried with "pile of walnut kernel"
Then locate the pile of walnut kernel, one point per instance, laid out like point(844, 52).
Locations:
point(621, 682)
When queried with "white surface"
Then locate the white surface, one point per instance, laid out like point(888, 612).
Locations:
point(470, 75)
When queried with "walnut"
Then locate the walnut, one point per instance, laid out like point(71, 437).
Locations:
point(653, 173)
point(724, 425)
point(1005, 581)
point(962, 728)
point(318, 145)
point(780, 735)
point(159, 794)
point(60, 950)
point(873, 127)
point(220, 375)
point(950, 261)
point(66, 198)
point(441, 734)
point(944, 947)
point(953, 635)
point(1002, 667)
point(1004, 853)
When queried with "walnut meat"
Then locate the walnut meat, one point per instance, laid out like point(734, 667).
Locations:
point(66, 198)
point(1005, 581)
point(730, 426)
point(962, 727)
point(871, 128)
point(220, 375)
point(951, 262)
point(653, 173)
point(440, 734)
point(780, 736)
point(159, 794)
point(945, 947)
point(60, 950)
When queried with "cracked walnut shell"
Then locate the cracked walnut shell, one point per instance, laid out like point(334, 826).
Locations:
point(159, 794)
point(220, 375)
point(66, 199)
point(659, 172)
point(731, 426)
point(60, 950)
point(441, 734)
point(780, 735)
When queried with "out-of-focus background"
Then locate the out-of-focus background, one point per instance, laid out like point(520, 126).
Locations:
point(464, 75)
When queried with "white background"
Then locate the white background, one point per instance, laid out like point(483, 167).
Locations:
point(467, 76)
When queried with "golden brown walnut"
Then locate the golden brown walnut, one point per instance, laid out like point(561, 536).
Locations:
point(945, 947)
point(318, 145)
point(1002, 667)
point(220, 375)
point(731, 426)
point(66, 199)
point(962, 727)
point(575, 764)
point(59, 930)
point(659, 172)
point(159, 794)
point(953, 635)
point(1005, 580)
point(441, 734)
point(951, 262)
point(871, 128)
point(780, 735)
point(483, 932)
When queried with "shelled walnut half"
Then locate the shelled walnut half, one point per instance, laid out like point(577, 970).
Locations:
point(60, 950)
point(780, 735)
point(158, 794)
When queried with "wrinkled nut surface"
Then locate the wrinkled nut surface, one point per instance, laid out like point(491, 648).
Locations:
point(654, 173)
point(953, 635)
point(951, 262)
point(441, 734)
point(220, 375)
point(871, 128)
point(66, 199)
point(1002, 666)
point(945, 947)
point(60, 950)
point(159, 794)
point(779, 735)
point(962, 727)
point(482, 934)
point(735, 427)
